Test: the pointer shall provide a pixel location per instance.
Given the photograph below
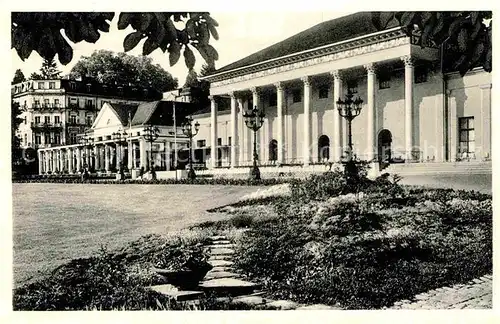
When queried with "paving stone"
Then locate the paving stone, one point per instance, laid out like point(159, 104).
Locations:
point(219, 269)
point(221, 251)
point(220, 274)
point(219, 238)
point(478, 281)
point(178, 295)
point(220, 246)
point(317, 307)
point(250, 300)
point(229, 286)
point(220, 263)
point(283, 304)
point(221, 242)
point(226, 257)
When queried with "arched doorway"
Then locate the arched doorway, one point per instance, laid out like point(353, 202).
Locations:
point(219, 157)
point(323, 148)
point(273, 150)
point(384, 146)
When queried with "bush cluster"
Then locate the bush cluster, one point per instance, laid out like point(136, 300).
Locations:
point(369, 245)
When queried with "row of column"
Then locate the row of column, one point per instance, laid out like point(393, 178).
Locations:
point(339, 122)
point(99, 155)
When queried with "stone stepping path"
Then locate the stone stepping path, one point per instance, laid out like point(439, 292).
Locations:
point(228, 285)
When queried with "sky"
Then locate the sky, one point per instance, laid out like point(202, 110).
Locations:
point(240, 34)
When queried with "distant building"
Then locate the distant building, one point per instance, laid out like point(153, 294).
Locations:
point(104, 151)
point(412, 110)
point(56, 111)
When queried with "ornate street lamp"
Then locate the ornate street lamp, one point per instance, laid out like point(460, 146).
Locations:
point(187, 129)
point(87, 142)
point(120, 137)
point(151, 133)
point(350, 109)
point(254, 119)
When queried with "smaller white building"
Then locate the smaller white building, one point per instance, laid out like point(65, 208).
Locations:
point(105, 150)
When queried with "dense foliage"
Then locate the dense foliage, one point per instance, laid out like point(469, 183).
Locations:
point(465, 35)
point(119, 68)
point(112, 279)
point(18, 77)
point(366, 248)
point(174, 32)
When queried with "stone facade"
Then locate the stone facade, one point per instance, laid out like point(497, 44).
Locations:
point(409, 109)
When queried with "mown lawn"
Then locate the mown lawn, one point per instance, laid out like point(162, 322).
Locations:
point(54, 223)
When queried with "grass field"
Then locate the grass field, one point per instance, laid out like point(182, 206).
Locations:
point(53, 223)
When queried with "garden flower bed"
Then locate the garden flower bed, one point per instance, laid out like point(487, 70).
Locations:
point(363, 247)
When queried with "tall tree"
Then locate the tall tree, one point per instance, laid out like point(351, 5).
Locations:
point(465, 36)
point(108, 67)
point(49, 70)
point(175, 32)
point(18, 77)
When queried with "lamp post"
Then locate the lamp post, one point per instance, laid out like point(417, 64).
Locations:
point(187, 129)
point(120, 137)
point(151, 133)
point(350, 109)
point(254, 119)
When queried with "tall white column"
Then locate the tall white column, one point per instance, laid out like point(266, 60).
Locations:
point(70, 160)
point(280, 95)
point(40, 162)
point(130, 157)
point(234, 131)
point(453, 122)
point(61, 161)
point(142, 148)
point(96, 156)
point(241, 132)
point(408, 60)
point(51, 161)
point(106, 157)
point(337, 126)
point(213, 131)
point(78, 159)
point(306, 144)
point(371, 126)
point(45, 161)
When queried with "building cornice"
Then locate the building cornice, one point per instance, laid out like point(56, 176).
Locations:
point(313, 56)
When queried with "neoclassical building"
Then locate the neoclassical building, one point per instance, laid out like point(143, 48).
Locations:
point(413, 110)
point(104, 150)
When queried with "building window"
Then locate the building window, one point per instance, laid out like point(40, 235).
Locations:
point(56, 103)
point(467, 137)
point(352, 86)
point(229, 141)
point(201, 143)
point(72, 138)
point(297, 95)
point(57, 119)
point(41, 85)
point(273, 150)
point(219, 141)
point(57, 138)
point(46, 103)
point(47, 138)
point(47, 119)
point(89, 120)
point(72, 119)
point(273, 100)
point(323, 148)
point(421, 74)
point(37, 103)
point(38, 139)
point(72, 85)
point(25, 120)
point(25, 139)
point(89, 87)
point(52, 85)
point(323, 92)
point(384, 81)
point(37, 119)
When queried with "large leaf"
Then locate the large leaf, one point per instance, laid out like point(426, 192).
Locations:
point(132, 40)
point(189, 57)
point(64, 50)
point(124, 20)
point(149, 46)
point(174, 51)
